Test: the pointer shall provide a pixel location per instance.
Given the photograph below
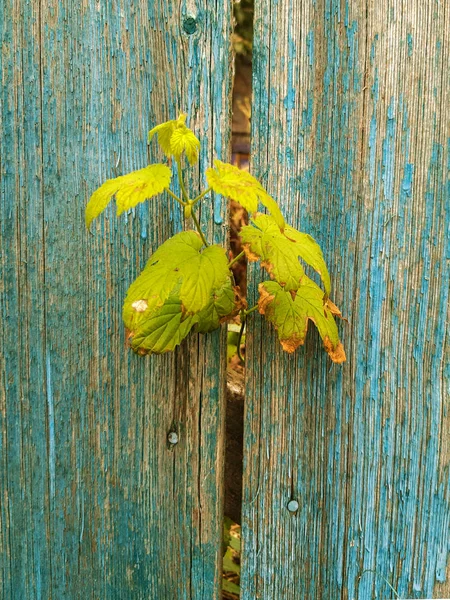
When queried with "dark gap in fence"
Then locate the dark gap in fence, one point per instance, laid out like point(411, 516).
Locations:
point(242, 98)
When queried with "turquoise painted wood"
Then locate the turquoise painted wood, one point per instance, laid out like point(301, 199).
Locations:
point(93, 501)
point(351, 134)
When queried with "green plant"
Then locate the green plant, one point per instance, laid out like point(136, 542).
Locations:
point(187, 284)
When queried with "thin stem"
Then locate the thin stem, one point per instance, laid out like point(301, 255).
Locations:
point(236, 258)
point(175, 197)
point(181, 181)
point(250, 310)
point(200, 196)
point(241, 331)
point(199, 229)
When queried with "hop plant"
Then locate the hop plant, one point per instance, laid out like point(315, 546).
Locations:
point(187, 284)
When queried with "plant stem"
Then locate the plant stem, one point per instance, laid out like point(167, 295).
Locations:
point(244, 315)
point(241, 331)
point(199, 229)
point(200, 196)
point(181, 182)
point(250, 310)
point(236, 258)
point(175, 197)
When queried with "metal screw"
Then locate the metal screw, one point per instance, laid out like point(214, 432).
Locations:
point(173, 437)
point(292, 506)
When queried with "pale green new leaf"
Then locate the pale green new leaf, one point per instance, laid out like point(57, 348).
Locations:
point(279, 252)
point(163, 330)
point(240, 186)
point(129, 190)
point(177, 267)
point(175, 138)
point(290, 312)
point(184, 140)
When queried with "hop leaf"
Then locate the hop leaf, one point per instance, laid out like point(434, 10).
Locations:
point(224, 303)
point(163, 329)
point(129, 190)
point(290, 312)
point(279, 252)
point(178, 262)
point(175, 138)
point(243, 188)
point(180, 287)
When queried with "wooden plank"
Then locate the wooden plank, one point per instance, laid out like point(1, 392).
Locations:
point(350, 127)
point(23, 427)
point(115, 511)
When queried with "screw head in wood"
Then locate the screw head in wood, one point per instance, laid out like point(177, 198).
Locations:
point(173, 438)
point(292, 506)
point(190, 25)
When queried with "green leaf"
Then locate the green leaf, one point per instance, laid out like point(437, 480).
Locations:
point(310, 251)
point(278, 255)
point(223, 305)
point(163, 330)
point(129, 190)
point(290, 312)
point(274, 210)
point(228, 563)
point(243, 188)
point(230, 587)
point(175, 138)
point(279, 252)
point(178, 263)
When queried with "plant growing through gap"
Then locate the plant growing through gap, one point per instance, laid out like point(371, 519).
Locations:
point(187, 284)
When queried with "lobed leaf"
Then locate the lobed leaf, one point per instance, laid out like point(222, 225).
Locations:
point(181, 286)
point(290, 312)
point(279, 252)
point(243, 188)
point(163, 329)
point(177, 261)
point(129, 190)
point(175, 138)
point(224, 303)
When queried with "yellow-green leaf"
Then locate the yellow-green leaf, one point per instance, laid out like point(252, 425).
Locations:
point(184, 140)
point(163, 330)
point(290, 312)
point(128, 190)
point(243, 188)
point(177, 267)
point(223, 304)
point(279, 252)
point(175, 138)
point(278, 255)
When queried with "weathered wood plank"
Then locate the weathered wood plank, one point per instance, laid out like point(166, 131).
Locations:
point(350, 128)
point(23, 495)
point(95, 504)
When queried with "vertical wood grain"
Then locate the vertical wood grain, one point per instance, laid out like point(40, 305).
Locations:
point(350, 133)
point(94, 502)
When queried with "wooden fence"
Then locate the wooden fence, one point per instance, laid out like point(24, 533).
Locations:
point(350, 129)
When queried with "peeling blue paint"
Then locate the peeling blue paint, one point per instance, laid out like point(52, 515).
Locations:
point(409, 40)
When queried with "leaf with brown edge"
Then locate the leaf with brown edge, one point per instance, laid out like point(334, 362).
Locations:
point(225, 303)
point(290, 312)
point(279, 252)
